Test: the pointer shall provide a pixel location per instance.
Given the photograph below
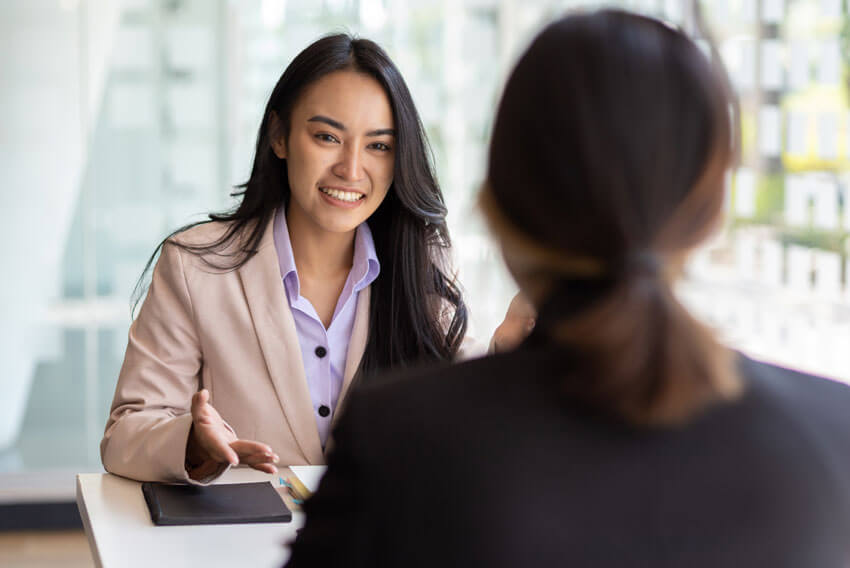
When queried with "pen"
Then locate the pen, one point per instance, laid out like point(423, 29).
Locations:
point(298, 493)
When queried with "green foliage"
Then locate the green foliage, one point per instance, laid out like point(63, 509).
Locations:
point(770, 199)
point(832, 241)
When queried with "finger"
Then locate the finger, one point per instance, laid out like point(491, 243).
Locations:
point(256, 459)
point(199, 400)
point(224, 456)
point(250, 447)
point(217, 446)
point(266, 467)
point(202, 411)
point(208, 417)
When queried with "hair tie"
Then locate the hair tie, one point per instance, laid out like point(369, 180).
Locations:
point(642, 263)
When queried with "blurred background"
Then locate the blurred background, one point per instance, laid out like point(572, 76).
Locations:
point(121, 120)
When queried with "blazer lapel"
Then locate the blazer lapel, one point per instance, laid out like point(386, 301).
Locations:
point(278, 338)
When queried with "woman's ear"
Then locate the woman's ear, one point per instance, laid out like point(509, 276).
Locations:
point(277, 137)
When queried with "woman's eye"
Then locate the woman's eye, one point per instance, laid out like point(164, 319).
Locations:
point(380, 146)
point(326, 138)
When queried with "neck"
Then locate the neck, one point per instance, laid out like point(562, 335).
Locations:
point(318, 252)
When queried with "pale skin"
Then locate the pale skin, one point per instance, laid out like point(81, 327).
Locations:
point(340, 153)
point(518, 323)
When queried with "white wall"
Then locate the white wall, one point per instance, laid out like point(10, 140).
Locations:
point(53, 57)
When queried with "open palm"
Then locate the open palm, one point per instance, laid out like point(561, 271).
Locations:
point(212, 443)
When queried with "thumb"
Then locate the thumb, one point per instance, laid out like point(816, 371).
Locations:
point(199, 399)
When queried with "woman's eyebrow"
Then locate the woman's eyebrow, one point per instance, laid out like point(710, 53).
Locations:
point(329, 121)
point(382, 132)
point(340, 126)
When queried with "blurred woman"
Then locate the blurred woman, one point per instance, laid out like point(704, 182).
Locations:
point(620, 433)
point(332, 265)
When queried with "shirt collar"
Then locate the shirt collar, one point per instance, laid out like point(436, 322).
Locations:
point(364, 269)
point(366, 266)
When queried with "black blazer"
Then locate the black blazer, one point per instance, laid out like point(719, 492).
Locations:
point(483, 464)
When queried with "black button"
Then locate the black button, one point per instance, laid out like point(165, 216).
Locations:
point(324, 411)
point(321, 351)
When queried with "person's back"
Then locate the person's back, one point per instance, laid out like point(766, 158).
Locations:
point(483, 465)
point(621, 432)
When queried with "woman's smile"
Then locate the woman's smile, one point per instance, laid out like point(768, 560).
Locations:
point(342, 197)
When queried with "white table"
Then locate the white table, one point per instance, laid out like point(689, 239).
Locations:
point(120, 531)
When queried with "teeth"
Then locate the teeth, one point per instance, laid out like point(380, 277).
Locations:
point(349, 196)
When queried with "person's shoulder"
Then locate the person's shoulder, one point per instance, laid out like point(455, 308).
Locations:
point(450, 386)
point(221, 236)
point(777, 378)
point(814, 397)
point(476, 369)
point(215, 243)
point(201, 234)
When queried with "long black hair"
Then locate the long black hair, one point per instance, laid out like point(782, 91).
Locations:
point(417, 311)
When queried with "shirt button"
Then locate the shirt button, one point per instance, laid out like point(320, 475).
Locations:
point(321, 351)
point(324, 411)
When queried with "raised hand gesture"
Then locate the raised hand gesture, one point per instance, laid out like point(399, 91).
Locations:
point(212, 444)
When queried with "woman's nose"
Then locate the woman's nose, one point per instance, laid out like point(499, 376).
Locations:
point(350, 164)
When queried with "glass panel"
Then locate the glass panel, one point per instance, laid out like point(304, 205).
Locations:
point(776, 280)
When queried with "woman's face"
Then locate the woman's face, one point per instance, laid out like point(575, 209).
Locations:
point(340, 151)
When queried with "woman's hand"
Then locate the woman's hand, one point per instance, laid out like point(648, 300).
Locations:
point(518, 323)
point(211, 443)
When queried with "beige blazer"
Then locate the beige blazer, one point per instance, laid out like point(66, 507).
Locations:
point(231, 332)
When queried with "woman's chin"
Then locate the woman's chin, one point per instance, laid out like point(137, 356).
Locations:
point(339, 224)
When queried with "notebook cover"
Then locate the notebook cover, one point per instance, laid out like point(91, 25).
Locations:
point(215, 504)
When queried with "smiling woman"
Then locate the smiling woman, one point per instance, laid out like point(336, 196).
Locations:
point(332, 267)
point(340, 154)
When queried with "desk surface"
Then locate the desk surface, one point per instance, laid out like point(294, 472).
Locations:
point(120, 531)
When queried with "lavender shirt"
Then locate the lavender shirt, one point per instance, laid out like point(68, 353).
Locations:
point(324, 350)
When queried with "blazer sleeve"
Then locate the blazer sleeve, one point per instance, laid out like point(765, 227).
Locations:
point(150, 418)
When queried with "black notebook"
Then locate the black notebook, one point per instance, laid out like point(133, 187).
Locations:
point(215, 504)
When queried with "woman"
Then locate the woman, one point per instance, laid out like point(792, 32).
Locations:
point(620, 433)
point(272, 309)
